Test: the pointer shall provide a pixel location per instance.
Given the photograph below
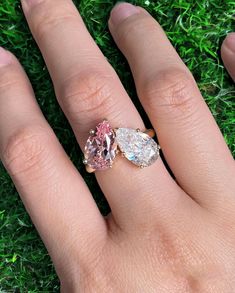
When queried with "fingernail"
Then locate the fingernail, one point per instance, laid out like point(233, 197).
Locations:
point(121, 11)
point(230, 41)
point(5, 57)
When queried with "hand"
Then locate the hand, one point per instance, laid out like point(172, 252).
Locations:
point(163, 235)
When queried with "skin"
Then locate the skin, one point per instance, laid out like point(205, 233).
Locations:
point(163, 235)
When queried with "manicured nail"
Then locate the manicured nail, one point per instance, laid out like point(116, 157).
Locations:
point(121, 11)
point(230, 41)
point(5, 57)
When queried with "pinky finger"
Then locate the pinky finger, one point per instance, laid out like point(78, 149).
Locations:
point(228, 54)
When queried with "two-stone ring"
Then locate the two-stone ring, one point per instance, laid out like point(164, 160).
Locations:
point(104, 143)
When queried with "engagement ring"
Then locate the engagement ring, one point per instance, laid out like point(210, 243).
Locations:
point(104, 143)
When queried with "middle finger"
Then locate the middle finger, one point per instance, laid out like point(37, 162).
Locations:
point(191, 140)
point(89, 90)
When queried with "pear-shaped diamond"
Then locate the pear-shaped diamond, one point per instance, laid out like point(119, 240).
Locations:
point(101, 147)
point(138, 147)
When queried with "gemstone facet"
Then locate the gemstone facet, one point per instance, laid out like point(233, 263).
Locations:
point(100, 149)
point(138, 147)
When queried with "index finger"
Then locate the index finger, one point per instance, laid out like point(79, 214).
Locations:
point(52, 190)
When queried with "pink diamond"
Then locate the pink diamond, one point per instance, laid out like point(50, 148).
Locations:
point(101, 147)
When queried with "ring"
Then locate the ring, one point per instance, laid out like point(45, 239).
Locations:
point(105, 143)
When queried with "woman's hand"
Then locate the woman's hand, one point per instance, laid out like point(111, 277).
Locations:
point(163, 235)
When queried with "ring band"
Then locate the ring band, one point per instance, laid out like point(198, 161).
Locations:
point(104, 144)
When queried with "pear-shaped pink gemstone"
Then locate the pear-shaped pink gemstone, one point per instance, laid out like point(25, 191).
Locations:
point(101, 147)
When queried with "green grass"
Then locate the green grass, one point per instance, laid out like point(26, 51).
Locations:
point(195, 29)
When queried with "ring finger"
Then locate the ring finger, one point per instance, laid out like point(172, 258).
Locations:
point(88, 90)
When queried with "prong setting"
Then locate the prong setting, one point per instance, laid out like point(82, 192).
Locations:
point(89, 169)
point(85, 161)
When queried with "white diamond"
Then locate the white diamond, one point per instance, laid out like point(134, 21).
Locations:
point(137, 147)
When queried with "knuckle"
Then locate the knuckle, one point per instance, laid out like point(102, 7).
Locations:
point(8, 81)
point(10, 77)
point(45, 18)
point(26, 150)
point(135, 26)
point(87, 94)
point(172, 91)
point(50, 23)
